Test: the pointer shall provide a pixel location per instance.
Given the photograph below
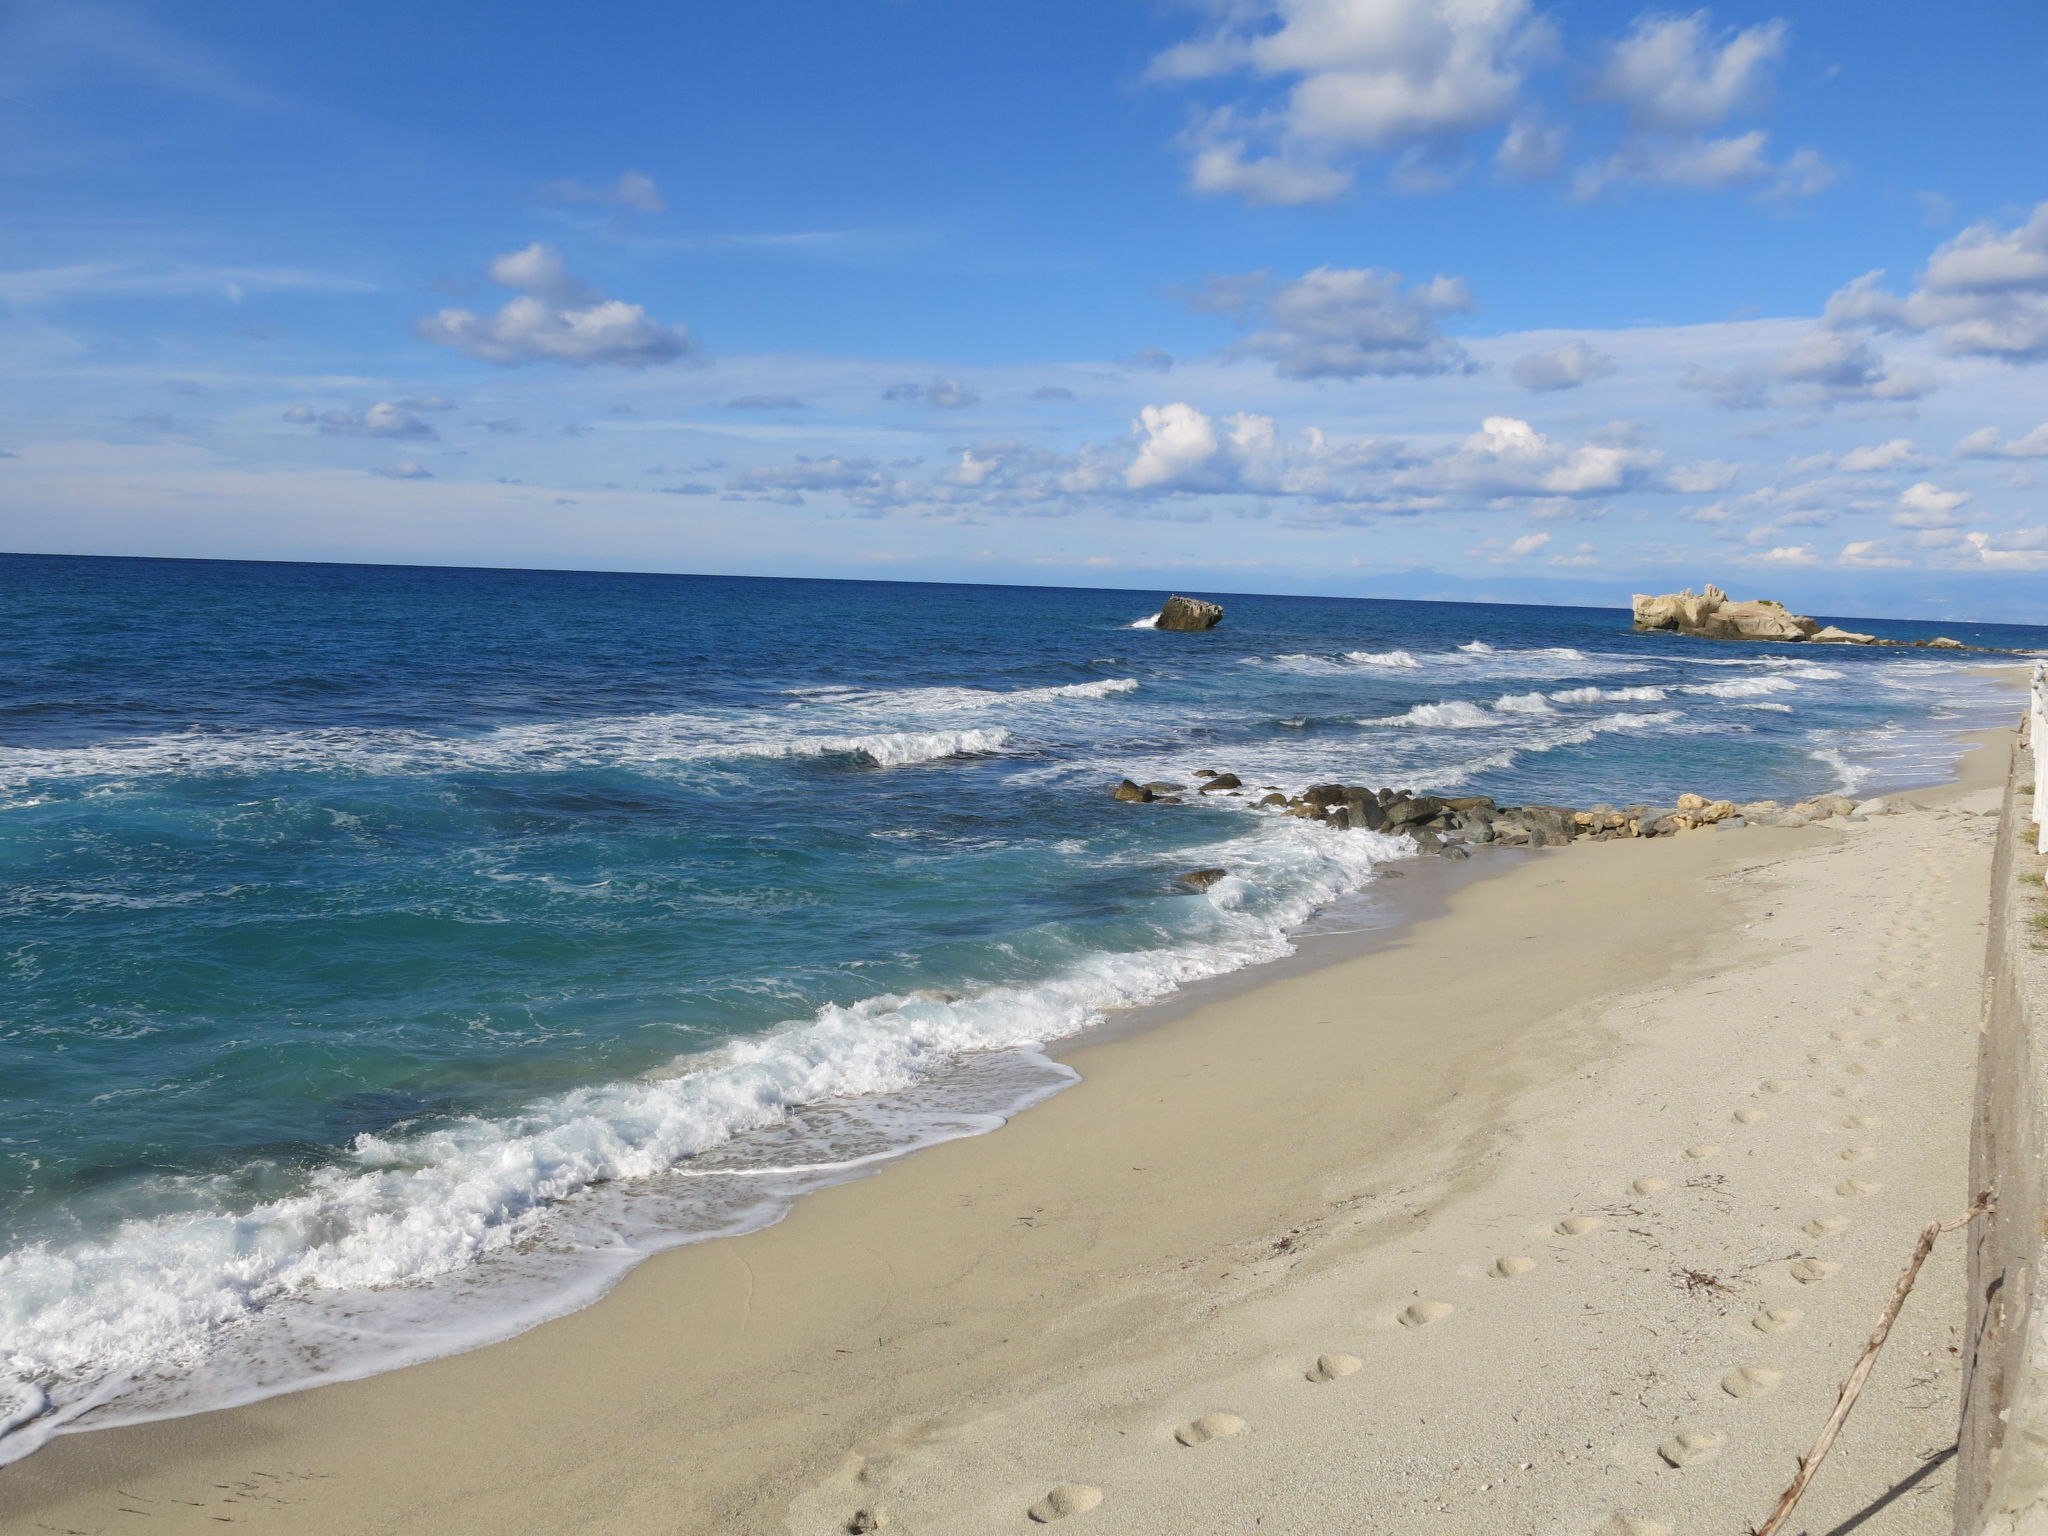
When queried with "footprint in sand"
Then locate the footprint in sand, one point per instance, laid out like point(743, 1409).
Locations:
point(1823, 1226)
point(1850, 1189)
point(1859, 1069)
point(1691, 1447)
point(1067, 1499)
point(1210, 1426)
point(1810, 1271)
point(1845, 1034)
point(1859, 1122)
point(1700, 1154)
point(1818, 1058)
point(866, 1520)
point(1751, 1116)
point(1751, 1381)
point(1776, 1319)
point(1853, 1092)
point(1628, 1525)
point(1856, 1154)
point(1883, 1042)
point(1507, 1266)
point(1578, 1226)
point(1334, 1367)
point(1650, 1184)
point(1422, 1313)
point(1775, 1085)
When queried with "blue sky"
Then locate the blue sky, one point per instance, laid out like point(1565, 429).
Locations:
point(1467, 298)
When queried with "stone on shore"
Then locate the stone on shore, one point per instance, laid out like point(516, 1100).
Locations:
point(1137, 792)
point(1830, 634)
point(1202, 879)
point(1188, 613)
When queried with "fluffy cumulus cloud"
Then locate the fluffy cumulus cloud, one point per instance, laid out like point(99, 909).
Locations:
point(1566, 367)
point(1342, 323)
point(1927, 505)
point(1679, 83)
point(383, 419)
point(1984, 443)
point(1410, 78)
point(1982, 294)
point(1327, 83)
point(556, 318)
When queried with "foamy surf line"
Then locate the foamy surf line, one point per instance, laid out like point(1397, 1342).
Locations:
point(638, 740)
point(424, 1242)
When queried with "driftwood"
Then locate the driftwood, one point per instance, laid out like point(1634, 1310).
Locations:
point(1853, 1387)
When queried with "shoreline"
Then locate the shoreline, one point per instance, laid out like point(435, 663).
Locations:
point(592, 1401)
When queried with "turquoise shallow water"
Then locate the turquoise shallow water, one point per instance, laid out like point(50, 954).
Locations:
point(423, 945)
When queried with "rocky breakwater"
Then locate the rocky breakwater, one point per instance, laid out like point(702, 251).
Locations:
point(1452, 825)
point(1188, 613)
point(1713, 615)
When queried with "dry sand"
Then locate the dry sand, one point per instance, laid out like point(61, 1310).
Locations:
point(1565, 1211)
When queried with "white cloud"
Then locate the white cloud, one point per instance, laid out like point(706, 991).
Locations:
point(1869, 554)
point(556, 318)
point(633, 190)
point(405, 469)
point(1982, 294)
point(944, 394)
point(1179, 442)
point(2020, 550)
point(1826, 367)
point(1879, 456)
point(1411, 78)
point(1783, 554)
point(1565, 368)
point(1343, 323)
point(1678, 81)
point(1984, 444)
point(1532, 147)
point(1927, 505)
point(380, 420)
point(1671, 76)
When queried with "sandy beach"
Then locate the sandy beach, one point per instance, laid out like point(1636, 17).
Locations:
point(1565, 1210)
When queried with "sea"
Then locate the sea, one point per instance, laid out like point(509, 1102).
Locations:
point(397, 955)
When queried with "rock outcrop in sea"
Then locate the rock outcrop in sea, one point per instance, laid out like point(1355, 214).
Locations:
point(1188, 613)
point(1713, 615)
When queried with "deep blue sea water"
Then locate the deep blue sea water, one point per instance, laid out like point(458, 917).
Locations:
point(395, 954)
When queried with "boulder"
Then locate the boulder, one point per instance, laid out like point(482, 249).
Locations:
point(1830, 635)
point(1274, 799)
point(1162, 787)
point(1129, 791)
point(1322, 796)
point(1943, 643)
point(1186, 613)
point(1223, 781)
point(1202, 879)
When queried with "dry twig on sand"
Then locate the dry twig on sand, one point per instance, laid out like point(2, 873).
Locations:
point(1853, 1387)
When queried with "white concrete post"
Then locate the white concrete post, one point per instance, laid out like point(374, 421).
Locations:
point(2037, 742)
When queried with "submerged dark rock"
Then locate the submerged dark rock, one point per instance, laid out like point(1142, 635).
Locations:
point(1202, 879)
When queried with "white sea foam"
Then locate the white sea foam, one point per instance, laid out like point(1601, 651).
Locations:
point(1776, 709)
point(1523, 704)
point(892, 738)
point(1452, 715)
point(95, 1325)
point(1382, 658)
point(1477, 648)
point(1744, 688)
point(1150, 621)
point(1599, 695)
